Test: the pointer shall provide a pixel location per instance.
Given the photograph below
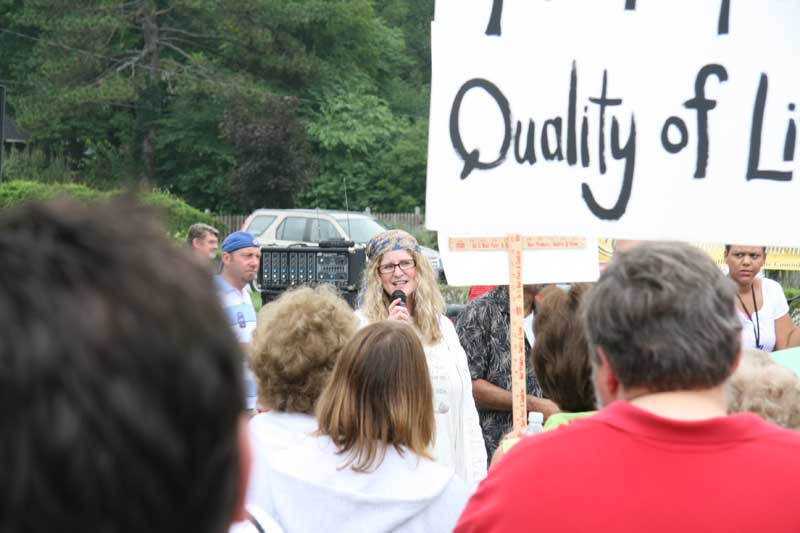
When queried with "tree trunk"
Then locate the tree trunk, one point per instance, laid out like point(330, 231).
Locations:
point(151, 35)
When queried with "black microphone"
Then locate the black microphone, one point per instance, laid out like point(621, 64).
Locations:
point(398, 294)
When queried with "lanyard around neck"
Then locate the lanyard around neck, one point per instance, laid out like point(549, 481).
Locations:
point(757, 323)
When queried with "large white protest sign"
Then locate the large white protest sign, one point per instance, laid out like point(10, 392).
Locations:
point(642, 120)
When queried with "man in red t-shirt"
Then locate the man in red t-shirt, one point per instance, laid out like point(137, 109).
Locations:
point(661, 455)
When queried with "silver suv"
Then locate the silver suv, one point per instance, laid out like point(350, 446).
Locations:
point(288, 227)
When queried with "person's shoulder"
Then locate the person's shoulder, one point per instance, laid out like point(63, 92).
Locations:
point(362, 318)
point(222, 286)
point(559, 443)
point(774, 434)
point(772, 287)
point(446, 325)
point(774, 295)
point(479, 308)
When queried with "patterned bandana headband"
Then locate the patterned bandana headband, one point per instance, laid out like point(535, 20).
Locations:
point(388, 241)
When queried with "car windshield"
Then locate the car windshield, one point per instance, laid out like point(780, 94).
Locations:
point(361, 229)
point(259, 224)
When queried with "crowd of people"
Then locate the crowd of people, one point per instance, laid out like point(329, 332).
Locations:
point(143, 392)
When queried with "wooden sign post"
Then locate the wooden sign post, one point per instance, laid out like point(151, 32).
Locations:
point(514, 245)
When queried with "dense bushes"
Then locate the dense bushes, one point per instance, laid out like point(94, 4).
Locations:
point(176, 214)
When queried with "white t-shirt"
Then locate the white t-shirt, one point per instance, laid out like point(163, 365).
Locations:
point(773, 307)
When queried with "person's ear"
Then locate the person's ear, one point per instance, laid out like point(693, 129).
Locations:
point(606, 379)
point(245, 463)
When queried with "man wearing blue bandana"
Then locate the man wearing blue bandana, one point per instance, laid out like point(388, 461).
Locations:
point(240, 257)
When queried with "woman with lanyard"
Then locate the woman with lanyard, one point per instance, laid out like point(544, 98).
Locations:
point(762, 306)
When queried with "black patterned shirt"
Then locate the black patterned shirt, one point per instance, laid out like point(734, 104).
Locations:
point(482, 328)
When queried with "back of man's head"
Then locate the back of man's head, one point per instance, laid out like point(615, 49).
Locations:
point(665, 317)
point(120, 383)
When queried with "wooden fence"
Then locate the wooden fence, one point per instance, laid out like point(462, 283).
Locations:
point(407, 221)
point(230, 223)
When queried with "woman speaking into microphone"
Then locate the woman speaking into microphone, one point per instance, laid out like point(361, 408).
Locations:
point(399, 284)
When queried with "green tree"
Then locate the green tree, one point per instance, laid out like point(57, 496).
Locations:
point(378, 157)
point(273, 156)
point(150, 90)
point(197, 159)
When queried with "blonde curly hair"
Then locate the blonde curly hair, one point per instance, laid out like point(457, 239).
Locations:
point(765, 388)
point(428, 300)
point(295, 346)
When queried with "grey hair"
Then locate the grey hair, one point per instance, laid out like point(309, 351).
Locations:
point(199, 230)
point(665, 317)
point(765, 388)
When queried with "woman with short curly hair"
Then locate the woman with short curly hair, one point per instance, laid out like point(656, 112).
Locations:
point(295, 346)
point(400, 286)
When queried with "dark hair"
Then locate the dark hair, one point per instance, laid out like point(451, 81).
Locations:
point(728, 247)
point(561, 353)
point(121, 383)
point(665, 316)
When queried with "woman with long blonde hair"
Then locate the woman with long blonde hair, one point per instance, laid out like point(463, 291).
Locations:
point(369, 468)
point(399, 285)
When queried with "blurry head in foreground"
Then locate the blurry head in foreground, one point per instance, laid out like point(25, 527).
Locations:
point(765, 388)
point(121, 384)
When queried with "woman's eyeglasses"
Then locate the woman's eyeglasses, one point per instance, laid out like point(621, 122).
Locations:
point(405, 265)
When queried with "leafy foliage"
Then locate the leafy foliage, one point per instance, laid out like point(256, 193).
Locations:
point(273, 155)
point(229, 104)
point(32, 164)
point(176, 214)
point(367, 150)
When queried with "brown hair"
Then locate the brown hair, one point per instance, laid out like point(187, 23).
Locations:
point(561, 352)
point(379, 395)
point(199, 231)
point(295, 346)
